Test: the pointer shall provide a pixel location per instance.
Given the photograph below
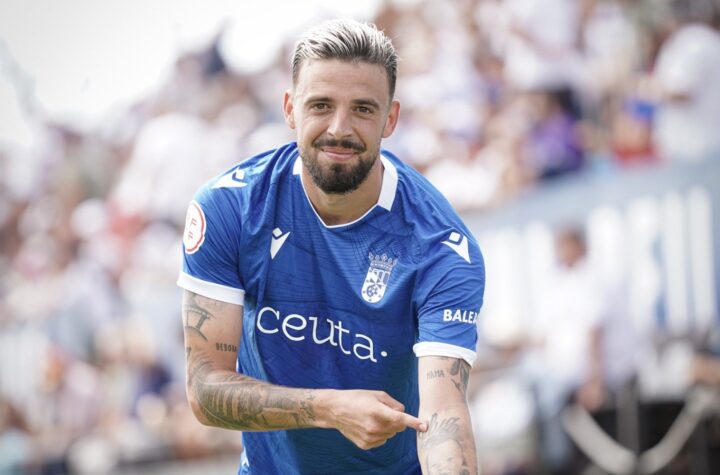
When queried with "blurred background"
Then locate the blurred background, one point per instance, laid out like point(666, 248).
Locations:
point(579, 139)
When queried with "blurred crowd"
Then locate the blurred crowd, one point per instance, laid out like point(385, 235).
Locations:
point(498, 97)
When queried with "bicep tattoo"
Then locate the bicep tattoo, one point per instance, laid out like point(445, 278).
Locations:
point(435, 374)
point(197, 311)
point(195, 316)
point(460, 372)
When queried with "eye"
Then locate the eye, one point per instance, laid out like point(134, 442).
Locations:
point(320, 106)
point(363, 110)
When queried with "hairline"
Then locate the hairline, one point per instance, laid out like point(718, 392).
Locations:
point(304, 62)
point(348, 41)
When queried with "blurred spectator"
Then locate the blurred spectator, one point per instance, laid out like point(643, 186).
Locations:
point(687, 76)
point(17, 447)
point(610, 46)
point(631, 124)
point(705, 367)
point(542, 44)
point(553, 147)
point(566, 345)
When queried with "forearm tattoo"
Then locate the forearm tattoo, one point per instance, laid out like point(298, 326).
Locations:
point(239, 402)
point(443, 446)
point(236, 401)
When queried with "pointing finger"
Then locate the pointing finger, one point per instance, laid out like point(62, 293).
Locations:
point(413, 423)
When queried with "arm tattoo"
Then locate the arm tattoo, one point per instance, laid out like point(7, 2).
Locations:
point(443, 447)
point(462, 370)
point(195, 315)
point(231, 400)
point(226, 347)
point(236, 401)
point(436, 373)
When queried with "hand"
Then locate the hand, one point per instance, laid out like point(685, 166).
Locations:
point(370, 418)
point(705, 370)
point(591, 395)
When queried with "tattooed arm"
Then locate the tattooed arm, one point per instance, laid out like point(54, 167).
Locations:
point(222, 397)
point(448, 446)
point(218, 395)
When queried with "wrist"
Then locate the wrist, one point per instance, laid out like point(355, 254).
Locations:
point(325, 403)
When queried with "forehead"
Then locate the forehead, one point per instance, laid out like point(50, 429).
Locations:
point(326, 76)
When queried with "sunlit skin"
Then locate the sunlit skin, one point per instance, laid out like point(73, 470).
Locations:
point(341, 111)
point(445, 459)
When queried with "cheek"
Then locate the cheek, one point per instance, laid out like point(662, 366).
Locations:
point(309, 129)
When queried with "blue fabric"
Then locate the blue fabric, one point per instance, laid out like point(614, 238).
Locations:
point(337, 307)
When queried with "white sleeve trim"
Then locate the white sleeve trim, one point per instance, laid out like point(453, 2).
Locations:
point(434, 348)
point(211, 290)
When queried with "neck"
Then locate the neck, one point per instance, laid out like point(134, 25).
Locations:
point(335, 209)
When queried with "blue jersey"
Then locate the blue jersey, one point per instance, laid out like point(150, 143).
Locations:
point(349, 306)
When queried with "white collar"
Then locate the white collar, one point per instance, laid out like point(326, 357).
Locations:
point(385, 200)
point(389, 183)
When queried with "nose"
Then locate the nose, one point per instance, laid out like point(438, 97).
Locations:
point(340, 126)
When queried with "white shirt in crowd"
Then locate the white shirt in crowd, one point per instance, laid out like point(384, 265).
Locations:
point(571, 306)
point(689, 65)
point(542, 48)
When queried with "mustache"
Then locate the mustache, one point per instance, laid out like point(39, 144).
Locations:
point(345, 143)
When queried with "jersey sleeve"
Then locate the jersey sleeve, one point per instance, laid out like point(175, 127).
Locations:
point(449, 296)
point(211, 254)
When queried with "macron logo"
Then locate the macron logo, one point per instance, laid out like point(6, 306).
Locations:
point(459, 243)
point(278, 239)
point(231, 180)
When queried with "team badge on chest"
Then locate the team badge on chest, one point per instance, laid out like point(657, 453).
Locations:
point(377, 277)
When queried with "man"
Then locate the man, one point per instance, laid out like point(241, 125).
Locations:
point(330, 292)
point(566, 353)
point(686, 76)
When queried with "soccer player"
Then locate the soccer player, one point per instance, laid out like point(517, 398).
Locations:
point(330, 292)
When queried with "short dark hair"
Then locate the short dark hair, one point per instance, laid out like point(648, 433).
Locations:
point(347, 40)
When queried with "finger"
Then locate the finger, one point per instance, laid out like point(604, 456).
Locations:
point(399, 421)
point(413, 423)
point(386, 399)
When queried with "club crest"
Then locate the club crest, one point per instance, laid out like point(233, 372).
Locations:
point(377, 277)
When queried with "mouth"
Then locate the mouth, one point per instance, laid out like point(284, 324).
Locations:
point(338, 154)
point(339, 150)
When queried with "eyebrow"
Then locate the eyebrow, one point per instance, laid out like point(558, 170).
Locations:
point(358, 102)
point(366, 102)
point(317, 99)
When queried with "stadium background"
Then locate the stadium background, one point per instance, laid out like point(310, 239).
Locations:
point(532, 116)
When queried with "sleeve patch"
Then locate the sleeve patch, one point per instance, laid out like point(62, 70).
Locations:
point(194, 234)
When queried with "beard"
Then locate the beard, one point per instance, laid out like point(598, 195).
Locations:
point(338, 178)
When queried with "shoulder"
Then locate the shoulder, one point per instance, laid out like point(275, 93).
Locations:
point(437, 228)
point(249, 179)
point(691, 43)
point(415, 192)
point(421, 202)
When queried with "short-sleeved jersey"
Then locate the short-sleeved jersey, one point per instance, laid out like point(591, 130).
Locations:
point(349, 306)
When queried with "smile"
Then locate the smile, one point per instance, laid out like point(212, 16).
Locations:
point(338, 154)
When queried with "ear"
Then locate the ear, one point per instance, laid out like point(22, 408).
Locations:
point(288, 109)
point(392, 119)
